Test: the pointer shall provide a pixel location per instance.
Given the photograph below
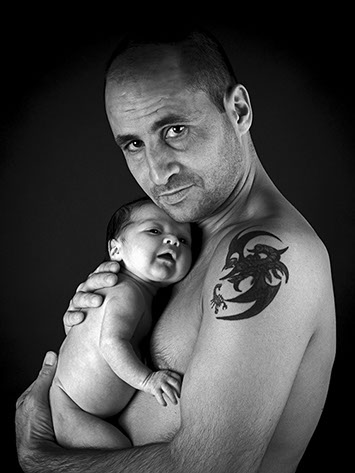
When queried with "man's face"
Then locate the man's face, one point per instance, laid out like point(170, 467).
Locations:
point(180, 148)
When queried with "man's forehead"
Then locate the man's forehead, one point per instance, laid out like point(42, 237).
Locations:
point(133, 108)
point(144, 95)
point(151, 73)
point(146, 89)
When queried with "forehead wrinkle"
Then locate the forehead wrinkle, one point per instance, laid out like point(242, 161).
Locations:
point(149, 90)
point(143, 109)
point(161, 115)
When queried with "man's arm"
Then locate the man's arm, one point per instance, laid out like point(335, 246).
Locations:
point(39, 453)
point(236, 385)
point(258, 317)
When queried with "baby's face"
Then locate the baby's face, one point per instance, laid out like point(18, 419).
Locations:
point(155, 247)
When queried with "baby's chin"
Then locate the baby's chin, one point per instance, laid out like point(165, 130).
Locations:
point(164, 282)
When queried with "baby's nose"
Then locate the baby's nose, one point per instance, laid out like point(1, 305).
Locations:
point(171, 240)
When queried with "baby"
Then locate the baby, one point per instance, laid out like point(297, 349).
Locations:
point(99, 366)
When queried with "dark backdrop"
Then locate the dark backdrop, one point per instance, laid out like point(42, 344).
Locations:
point(62, 176)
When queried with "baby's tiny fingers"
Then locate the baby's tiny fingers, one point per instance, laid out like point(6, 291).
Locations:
point(159, 397)
point(176, 384)
point(175, 375)
point(170, 393)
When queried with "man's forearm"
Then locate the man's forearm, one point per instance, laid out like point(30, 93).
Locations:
point(150, 458)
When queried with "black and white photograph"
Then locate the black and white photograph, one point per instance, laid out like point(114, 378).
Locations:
point(178, 236)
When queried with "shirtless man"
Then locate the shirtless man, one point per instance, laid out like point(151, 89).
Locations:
point(252, 326)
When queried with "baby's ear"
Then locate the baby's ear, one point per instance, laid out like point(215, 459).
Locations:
point(114, 247)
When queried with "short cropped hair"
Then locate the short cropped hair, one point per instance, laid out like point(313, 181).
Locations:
point(122, 218)
point(203, 57)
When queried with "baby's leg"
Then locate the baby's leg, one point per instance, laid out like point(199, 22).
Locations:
point(74, 427)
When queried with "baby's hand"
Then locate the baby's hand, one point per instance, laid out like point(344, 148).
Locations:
point(163, 381)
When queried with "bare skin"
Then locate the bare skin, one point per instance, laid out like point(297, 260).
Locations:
point(99, 366)
point(257, 369)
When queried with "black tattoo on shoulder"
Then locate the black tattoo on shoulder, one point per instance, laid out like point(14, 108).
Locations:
point(261, 265)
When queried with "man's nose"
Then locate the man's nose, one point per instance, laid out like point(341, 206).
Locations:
point(171, 240)
point(162, 165)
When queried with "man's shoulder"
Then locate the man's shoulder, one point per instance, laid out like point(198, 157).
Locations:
point(296, 239)
point(253, 263)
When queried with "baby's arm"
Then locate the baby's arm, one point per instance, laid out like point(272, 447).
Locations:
point(122, 314)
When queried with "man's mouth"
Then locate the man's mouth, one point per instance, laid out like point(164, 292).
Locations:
point(174, 196)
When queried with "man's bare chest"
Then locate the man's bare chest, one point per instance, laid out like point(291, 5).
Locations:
point(174, 335)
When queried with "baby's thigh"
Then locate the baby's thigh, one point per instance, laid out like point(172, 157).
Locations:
point(76, 428)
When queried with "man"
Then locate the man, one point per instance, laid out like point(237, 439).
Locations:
point(252, 327)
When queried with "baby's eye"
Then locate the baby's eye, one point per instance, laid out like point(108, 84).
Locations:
point(183, 241)
point(176, 131)
point(154, 231)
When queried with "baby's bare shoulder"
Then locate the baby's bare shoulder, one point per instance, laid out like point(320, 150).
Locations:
point(124, 294)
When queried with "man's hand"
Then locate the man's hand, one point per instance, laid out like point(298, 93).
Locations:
point(38, 451)
point(85, 298)
point(34, 428)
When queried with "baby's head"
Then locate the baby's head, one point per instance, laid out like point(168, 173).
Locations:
point(149, 243)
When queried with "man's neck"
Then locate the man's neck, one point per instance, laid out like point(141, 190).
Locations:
point(251, 198)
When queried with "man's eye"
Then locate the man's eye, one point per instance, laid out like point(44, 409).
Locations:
point(135, 145)
point(176, 131)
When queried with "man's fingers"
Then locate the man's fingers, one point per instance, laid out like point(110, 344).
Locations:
point(98, 281)
point(48, 367)
point(104, 275)
point(84, 300)
point(73, 317)
point(108, 266)
point(45, 376)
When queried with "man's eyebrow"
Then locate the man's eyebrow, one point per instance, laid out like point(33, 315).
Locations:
point(172, 118)
point(161, 123)
point(123, 139)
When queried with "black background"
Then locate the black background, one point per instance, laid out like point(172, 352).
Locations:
point(62, 176)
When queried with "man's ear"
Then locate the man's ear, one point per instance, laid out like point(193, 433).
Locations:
point(114, 249)
point(238, 107)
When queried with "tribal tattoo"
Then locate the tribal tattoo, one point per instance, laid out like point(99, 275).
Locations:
point(262, 262)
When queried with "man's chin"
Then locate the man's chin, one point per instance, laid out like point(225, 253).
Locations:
point(182, 213)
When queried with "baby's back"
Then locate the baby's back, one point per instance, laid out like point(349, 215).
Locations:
point(83, 372)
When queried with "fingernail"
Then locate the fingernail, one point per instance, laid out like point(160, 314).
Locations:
point(50, 358)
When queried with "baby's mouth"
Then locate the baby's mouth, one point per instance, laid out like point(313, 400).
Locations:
point(167, 257)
